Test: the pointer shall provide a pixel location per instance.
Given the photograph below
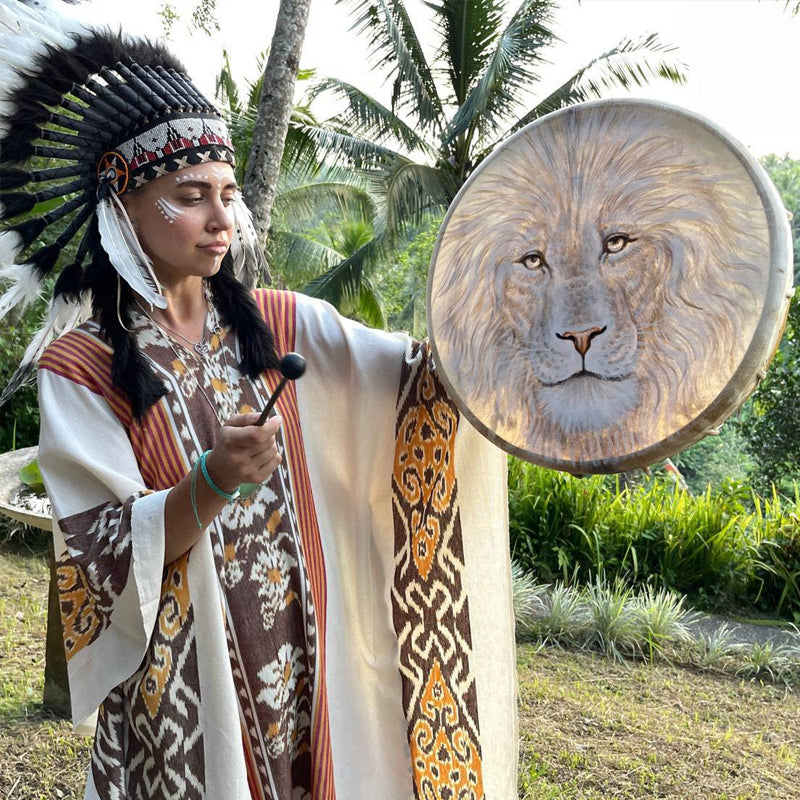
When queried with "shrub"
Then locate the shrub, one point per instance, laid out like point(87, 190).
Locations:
point(722, 548)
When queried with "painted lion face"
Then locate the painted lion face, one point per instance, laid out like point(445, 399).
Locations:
point(598, 284)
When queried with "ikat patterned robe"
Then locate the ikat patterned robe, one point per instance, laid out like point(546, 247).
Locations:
point(347, 631)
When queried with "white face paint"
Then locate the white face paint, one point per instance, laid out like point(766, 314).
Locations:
point(210, 174)
point(169, 211)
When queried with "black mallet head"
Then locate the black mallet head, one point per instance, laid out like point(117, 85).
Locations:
point(292, 367)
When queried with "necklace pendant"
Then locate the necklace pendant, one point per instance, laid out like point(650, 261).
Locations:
point(202, 348)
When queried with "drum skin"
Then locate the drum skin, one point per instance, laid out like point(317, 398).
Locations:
point(609, 286)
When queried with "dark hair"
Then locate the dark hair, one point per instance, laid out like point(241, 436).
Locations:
point(130, 370)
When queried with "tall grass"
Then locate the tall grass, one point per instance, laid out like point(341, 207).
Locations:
point(719, 548)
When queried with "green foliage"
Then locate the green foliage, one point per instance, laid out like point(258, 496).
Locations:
point(770, 424)
point(712, 547)
point(717, 461)
point(31, 476)
point(19, 417)
point(444, 116)
point(404, 281)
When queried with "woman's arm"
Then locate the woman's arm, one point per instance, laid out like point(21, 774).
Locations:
point(243, 453)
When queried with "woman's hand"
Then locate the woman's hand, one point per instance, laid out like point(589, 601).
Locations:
point(244, 452)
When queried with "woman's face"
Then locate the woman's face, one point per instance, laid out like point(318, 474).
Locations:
point(184, 220)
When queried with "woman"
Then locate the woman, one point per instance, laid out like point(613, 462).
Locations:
point(345, 629)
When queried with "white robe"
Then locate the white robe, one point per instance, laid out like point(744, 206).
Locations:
point(418, 643)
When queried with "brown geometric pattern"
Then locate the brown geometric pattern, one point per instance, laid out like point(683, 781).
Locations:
point(429, 605)
point(148, 742)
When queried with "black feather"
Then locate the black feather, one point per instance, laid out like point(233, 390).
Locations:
point(24, 374)
point(30, 230)
point(45, 259)
point(14, 150)
point(40, 91)
point(13, 178)
point(23, 129)
point(70, 281)
point(15, 204)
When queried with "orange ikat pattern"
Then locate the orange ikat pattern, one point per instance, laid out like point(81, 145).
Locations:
point(429, 605)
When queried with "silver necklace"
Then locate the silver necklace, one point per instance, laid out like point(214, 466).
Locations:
point(216, 329)
point(201, 348)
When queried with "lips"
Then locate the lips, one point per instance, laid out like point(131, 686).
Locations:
point(218, 248)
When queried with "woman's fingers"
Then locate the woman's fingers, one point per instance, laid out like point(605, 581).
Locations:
point(245, 452)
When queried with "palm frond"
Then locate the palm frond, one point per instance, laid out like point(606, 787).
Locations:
point(296, 258)
point(340, 284)
point(409, 192)
point(337, 148)
point(469, 31)
point(394, 43)
point(226, 90)
point(302, 204)
point(369, 305)
point(628, 64)
point(510, 71)
point(368, 118)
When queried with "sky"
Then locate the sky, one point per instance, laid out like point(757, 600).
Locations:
point(740, 55)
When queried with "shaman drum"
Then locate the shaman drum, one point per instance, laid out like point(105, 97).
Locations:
point(609, 286)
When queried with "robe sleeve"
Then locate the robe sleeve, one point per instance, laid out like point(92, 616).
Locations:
point(108, 536)
point(412, 509)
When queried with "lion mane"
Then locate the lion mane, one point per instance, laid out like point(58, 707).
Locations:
point(600, 232)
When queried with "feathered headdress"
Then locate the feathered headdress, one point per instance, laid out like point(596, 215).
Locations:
point(86, 116)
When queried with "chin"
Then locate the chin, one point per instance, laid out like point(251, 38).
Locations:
point(585, 403)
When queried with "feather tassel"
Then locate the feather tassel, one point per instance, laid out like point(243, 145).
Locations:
point(249, 266)
point(62, 315)
point(14, 205)
point(24, 289)
point(11, 244)
point(125, 253)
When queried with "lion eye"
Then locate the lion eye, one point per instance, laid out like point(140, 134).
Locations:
point(616, 243)
point(534, 260)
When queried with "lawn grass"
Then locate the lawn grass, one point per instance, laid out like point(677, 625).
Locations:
point(594, 728)
point(590, 727)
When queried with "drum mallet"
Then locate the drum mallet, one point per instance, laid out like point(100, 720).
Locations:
point(292, 367)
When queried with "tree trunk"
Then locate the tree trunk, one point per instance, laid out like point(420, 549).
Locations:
point(274, 111)
point(56, 683)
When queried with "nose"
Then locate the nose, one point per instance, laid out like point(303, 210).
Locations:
point(221, 217)
point(582, 340)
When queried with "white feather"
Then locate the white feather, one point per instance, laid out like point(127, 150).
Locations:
point(248, 262)
point(124, 251)
point(10, 246)
point(24, 290)
point(25, 33)
point(62, 315)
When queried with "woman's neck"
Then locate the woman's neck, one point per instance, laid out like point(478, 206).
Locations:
point(186, 308)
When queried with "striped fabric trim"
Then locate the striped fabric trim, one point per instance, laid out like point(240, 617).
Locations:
point(279, 311)
point(81, 357)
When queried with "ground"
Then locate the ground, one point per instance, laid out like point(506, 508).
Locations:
point(590, 727)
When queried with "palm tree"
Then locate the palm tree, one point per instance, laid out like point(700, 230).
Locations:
point(447, 115)
point(320, 217)
point(274, 110)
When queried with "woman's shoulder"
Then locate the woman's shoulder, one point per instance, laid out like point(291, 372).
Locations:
point(77, 354)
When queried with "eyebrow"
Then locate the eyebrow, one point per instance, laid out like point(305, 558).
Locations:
point(206, 185)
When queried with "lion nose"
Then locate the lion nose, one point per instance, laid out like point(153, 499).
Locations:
point(582, 340)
